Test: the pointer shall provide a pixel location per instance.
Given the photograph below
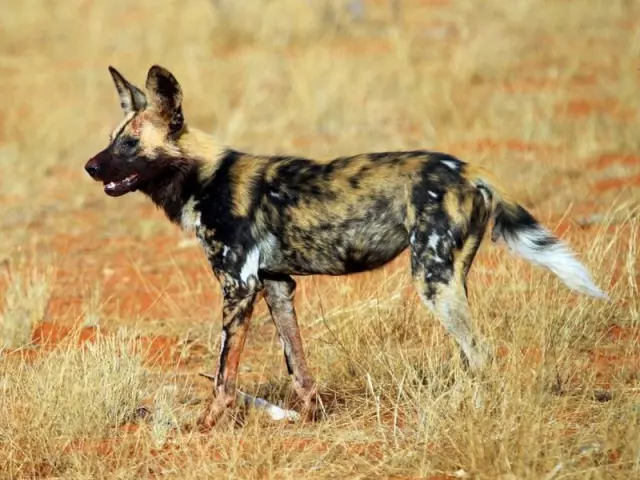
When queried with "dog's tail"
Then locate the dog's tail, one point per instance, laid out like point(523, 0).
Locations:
point(526, 237)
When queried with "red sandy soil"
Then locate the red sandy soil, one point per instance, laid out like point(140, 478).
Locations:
point(158, 350)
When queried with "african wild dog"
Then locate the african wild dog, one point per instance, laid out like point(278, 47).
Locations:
point(262, 219)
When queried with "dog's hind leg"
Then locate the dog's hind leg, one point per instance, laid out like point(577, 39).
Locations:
point(442, 251)
point(441, 289)
point(279, 294)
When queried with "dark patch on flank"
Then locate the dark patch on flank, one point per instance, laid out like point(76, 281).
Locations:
point(215, 200)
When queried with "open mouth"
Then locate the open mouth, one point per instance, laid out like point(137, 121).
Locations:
point(126, 185)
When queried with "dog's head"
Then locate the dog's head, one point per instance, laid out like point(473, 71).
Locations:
point(141, 148)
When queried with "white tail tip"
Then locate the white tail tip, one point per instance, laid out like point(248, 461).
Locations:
point(540, 247)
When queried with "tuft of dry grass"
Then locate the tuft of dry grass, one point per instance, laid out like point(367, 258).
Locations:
point(26, 296)
point(542, 92)
point(93, 307)
point(66, 397)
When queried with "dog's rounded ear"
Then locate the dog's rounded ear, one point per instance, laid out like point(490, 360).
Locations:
point(166, 96)
point(132, 99)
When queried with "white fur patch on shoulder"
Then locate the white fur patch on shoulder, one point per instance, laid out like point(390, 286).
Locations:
point(251, 265)
point(190, 218)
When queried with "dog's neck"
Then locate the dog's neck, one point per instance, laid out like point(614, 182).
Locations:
point(183, 174)
point(203, 148)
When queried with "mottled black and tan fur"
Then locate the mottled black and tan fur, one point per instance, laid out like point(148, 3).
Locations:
point(263, 219)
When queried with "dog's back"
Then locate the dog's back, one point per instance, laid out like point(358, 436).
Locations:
point(345, 215)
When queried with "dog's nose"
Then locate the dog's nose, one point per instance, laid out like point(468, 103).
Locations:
point(92, 169)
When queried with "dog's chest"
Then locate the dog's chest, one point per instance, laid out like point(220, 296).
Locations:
point(227, 249)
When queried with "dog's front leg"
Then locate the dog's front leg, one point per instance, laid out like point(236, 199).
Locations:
point(279, 293)
point(239, 300)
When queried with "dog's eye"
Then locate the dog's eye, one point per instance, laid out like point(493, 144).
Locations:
point(130, 143)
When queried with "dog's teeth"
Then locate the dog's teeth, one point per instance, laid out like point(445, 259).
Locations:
point(111, 185)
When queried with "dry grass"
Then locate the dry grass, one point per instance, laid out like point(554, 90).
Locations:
point(69, 396)
point(26, 295)
point(536, 90)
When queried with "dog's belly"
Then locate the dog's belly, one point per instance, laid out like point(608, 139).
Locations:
point(334, 251)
